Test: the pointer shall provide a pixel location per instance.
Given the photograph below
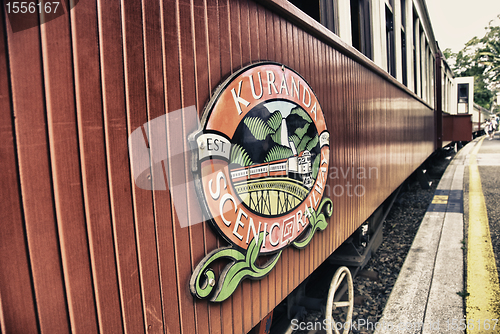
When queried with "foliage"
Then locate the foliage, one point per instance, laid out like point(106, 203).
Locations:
point(491, 59)
point(277, 153)
point(274, 122)
point(240, 156)
point(242, 265)
point(303, 143)
point(260, 129)
point(317, 219)
point(312, 143)
point(315, 167)
point(489, 54)
point(257, 127)
point(300, 132)
point(448, 54)
point(302, 113)
point(480, 58)
point(295, 139)
point(276, 136)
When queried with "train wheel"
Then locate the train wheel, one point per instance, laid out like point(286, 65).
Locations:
point(342, 274)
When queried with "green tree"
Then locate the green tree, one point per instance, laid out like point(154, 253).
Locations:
point(489, 54)
point(480, 58)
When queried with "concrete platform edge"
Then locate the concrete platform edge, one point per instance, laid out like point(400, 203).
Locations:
point(424, 298)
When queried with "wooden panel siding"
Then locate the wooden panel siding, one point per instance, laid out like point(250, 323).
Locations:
point(86, 250)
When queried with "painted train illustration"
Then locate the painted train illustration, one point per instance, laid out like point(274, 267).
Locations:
point(297, 167)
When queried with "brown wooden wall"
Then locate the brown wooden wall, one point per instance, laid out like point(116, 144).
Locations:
point(457, 127)
point(82, 248)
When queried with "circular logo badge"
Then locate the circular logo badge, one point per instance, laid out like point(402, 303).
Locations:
point(261, 157)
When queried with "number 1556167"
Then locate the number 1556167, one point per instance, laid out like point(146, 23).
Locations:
point(31, 7)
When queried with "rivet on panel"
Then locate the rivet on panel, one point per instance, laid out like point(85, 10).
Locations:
point(211, 282)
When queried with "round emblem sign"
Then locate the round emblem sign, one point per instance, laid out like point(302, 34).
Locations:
point(261, 157)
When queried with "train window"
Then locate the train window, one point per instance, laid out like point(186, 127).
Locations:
point(403, 13)
point(444, 91)
point(415, 54)
point(360, 26)
point(389, 26)
point(421, 61)
point(403, 42)
point(463, 93)
point(425, 66)
point(448, 99)
point(311, 8)
point(428, 73)
point(323, 11)
point(445, 88)
point(328, 15)
point(403, 54)
point(432, 66)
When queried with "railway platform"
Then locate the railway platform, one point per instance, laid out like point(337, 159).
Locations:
point(449, 282)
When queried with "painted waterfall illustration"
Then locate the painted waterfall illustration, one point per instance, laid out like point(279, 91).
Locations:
point(275, 157)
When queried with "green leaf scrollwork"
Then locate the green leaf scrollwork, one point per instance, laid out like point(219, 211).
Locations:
point(203, 282)
point(317, 221)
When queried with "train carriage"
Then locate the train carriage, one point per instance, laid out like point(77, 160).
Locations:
point(107, 110)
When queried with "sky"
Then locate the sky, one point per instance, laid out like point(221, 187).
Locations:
point(455, 22)
point(284, 107)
